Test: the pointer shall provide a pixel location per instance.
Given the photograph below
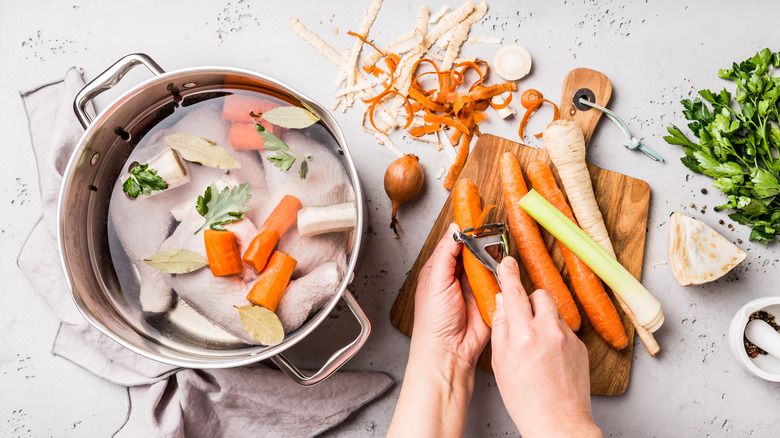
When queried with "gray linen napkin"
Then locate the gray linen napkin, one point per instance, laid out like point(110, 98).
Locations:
point(165, 401)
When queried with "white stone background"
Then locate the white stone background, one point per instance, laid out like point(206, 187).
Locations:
point(654, 52)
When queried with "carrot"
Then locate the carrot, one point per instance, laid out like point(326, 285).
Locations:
point(565, 144)
point(530, 245)
point(244, 136)
point(281, 219)
point(238, 107)
point(595, 301)
point(270, 285)
point(222, 252)
point(484, 286)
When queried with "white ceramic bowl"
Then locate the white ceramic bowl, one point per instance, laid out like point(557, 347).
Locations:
point(765, 366)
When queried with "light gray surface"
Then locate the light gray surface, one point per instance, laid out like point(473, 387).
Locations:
point(655, 53)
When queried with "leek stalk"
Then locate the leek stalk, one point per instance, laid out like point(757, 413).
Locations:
point(645, 307)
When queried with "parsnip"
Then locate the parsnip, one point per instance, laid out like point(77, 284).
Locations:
point(316, 220)
point(565, 144)
point(170, 168)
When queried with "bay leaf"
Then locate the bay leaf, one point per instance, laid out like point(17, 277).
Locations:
point(262, 324)
point(176, 261)
point(291, 117)
point(200, 150)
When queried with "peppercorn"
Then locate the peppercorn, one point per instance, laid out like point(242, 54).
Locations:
point(750, 348)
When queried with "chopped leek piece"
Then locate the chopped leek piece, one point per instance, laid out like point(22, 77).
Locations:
point(644, 306)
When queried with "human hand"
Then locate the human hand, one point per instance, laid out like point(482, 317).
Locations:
point(447, 339)
point(541, 366)
point(447, 322)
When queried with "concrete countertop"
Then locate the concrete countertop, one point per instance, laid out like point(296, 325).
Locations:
point(655, 54)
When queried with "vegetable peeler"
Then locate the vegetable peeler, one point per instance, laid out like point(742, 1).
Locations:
point(489, 244)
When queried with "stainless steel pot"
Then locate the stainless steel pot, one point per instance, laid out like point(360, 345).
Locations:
point(93, 169)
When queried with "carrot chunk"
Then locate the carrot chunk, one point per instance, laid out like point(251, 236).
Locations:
point(238, 107)
point(281, 219)
point(222, 252)
point(270, 285)
point(244, 136)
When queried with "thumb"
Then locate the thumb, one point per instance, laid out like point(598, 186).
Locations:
point(500, 324)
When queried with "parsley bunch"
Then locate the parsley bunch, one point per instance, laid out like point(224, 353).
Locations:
point(143, 180)
point(739, 143)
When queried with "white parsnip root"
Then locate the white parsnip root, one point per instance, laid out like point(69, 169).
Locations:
point(316, 220)
point(565, 144)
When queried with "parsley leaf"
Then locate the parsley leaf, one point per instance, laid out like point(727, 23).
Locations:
point(142, 181)
point(220, 208)
point(284, 158)
point(737, 140)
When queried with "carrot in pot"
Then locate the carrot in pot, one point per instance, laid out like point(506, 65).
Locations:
point(598, 307)
point(530, 245)
point(272, 282)
point(222, 252)
point(238, 107)
point(467, 206)
point(281, 219)
point(244, 136)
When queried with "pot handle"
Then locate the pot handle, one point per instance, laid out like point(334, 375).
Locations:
point(108, 79)
point(338, 358)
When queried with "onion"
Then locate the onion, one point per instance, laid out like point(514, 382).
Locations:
point(403, 180)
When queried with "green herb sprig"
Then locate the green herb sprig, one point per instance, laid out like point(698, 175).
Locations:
point(284, 157)
point(220, 208)
point(143, 180)
point(739, 142)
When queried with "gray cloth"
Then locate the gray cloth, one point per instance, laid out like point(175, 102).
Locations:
point(164, 400)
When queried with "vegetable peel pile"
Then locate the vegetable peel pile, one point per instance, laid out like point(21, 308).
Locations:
point(738, 143)
point(387, 80)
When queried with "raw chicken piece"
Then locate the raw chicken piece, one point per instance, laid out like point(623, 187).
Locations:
point(142, 238)
point(311, 252)
point(326, 183)
point(213, 297)
point(306, 295)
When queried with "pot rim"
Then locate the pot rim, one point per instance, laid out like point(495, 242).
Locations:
point(248, 355)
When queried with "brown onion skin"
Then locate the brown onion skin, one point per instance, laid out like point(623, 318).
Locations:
point(403, 180)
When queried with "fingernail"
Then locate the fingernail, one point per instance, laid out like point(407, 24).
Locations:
point(499, 300)
point(453, 228)
point(509, 262)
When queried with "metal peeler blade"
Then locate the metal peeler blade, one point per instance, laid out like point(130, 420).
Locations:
point(489, 245)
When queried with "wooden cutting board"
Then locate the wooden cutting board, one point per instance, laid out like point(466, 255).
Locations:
point(623, 201)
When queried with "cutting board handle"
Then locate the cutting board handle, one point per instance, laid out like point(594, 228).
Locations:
point(601, 87)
